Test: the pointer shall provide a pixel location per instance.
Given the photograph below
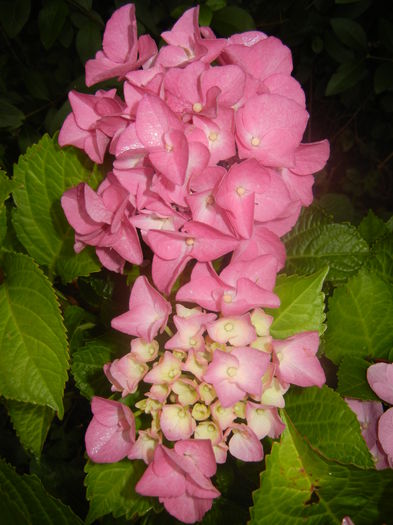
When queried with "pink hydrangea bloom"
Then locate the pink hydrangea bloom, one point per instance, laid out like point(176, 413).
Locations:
point(110, 435)
point(148, 313)
point(180, 477)
point(385, 434)
point(380, 379)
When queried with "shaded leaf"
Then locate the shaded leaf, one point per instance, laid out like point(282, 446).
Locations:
point(33, 346)
point(23, 500)
point(350, 33)
point(10, 115)
point(372, 227)
point(51, 19)
point(323, 418)
point(345, 77)
point(110, 490)
point(352, 379)
point(360, 319)
point(42, 176)
point(385, 32)
point(13, 16)
point(381, 259)
point(302, 305)
point(383, 78)
point(31, 424)
point(232, 19)
point(88, 40)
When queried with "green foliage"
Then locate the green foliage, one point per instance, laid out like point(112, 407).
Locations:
point(372, 227)
point(42, 175)
point(315, 490)
point(31, 424)
point(33, 346)
point(110, 490)
point(381, 261)
point(14, 15)
point(302, 305)
point(352, 379)
point(87, 363)
point(24, 500)
point(336, 435)
point(360, 321)
point(315, 242)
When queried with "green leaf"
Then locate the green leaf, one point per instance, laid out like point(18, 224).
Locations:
point(87, 363)
point(352, 379)
point(110, 489)
point(31, 424)
point(10, 115)
point(23, 500)
point(337, 205)
point(6, 186)
point(372, 227)
point(345, 1)
point(330, 427)
point(298, 487)
point(345, 77)
point(33, 345)
point(51, 19)
point(216, 5)
point(13, 16)
point(232, 19)
point(3, 224)
point(381, 260)
point(383, 78)
point(88, 40)
point(42, 175)
point(350, 33)
point(360, 320)
point(205, 15)
point(315, 243)
point(78, 322)
point(302, 305)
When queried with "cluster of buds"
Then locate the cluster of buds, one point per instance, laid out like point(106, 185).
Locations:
point(375, 423)
point(208, 167)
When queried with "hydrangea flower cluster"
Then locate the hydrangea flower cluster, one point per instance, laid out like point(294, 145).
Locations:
point(377, 424)
point(208, 167)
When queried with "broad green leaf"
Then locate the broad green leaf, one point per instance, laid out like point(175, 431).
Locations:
point(232, 19)
point(42, 176)
point(315, 243)
point(51, 19)
point(372, 227)
point(298, 487)
point(352, 379)
point(337, 205)
point(87, 363)
point(360, 319)
point(383, 78)
point(302, 305)
point(33, 345)
point(10, 115)
point(24, 501)
point(6, 186)
point(31, 424)
point(345, 77)
point(110, 490)
point(330, 427)
point(13, 16)
point(350, 33)
point(381, 259)
point(78, 322)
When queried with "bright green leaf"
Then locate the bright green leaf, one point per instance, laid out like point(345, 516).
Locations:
point(350, 33)
point(24, 501)
point(42, 176)
point(232, 19)
point(372, 227)
point(31, 424)
point(352, 379)
point(302, 305)
point(298, 487)
point(10, 115)
point(110, 490)
point(33, 345)
point(345, 77)
point(381, 259)
point(6, 186)
point(360, 319)
point(315, 243)
point(51, 19)
point(13, 15)
point(87, 363)
point(324, 419)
